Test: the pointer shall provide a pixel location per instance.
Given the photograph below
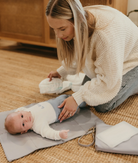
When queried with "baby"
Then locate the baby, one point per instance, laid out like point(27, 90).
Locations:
point(37, 118)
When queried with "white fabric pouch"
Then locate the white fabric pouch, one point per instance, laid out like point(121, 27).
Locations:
point(121, 138)
point(117, 134)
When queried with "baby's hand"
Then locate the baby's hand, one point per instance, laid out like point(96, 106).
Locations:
point(63, 134)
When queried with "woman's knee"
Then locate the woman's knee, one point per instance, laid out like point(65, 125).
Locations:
point(101, 109)
point(105, 107)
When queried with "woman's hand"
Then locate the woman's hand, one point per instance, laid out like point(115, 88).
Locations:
point(70, 107)
point(53, 74)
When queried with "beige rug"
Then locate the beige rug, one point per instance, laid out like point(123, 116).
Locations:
point(21, 70)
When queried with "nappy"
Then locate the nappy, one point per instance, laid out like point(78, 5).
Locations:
point(59, 86)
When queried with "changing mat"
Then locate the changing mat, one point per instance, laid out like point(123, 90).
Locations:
point(17, 146)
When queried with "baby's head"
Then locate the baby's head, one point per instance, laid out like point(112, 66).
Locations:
point(19, 122)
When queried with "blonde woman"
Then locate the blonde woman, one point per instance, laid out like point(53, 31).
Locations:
point(103, 43)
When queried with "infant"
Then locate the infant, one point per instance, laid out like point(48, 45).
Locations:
point(37, 118)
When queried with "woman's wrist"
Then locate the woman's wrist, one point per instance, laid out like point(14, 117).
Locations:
point(78, 97)
point(62, 72)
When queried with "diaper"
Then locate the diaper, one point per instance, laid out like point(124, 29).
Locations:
point(59, 86)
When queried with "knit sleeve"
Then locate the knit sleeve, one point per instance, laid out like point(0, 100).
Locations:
point(109, 46)
point(46, 131)
point(63, 71)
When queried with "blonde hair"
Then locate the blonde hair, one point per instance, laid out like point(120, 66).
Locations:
point(9, 124)
point(84, 26)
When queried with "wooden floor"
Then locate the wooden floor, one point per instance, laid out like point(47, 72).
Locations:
point(22, 68)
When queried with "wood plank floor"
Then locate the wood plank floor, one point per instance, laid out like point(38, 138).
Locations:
point(22, 70)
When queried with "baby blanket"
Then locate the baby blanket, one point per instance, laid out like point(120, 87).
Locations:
point(17, 146)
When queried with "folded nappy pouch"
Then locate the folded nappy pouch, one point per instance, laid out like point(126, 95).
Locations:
point(17, 146)
point(121, 138)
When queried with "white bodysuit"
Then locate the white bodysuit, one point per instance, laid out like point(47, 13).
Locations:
point(45, 113)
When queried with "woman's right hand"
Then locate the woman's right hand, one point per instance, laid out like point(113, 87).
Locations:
point(53, 74)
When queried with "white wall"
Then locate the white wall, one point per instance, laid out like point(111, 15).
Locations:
point(133, 5)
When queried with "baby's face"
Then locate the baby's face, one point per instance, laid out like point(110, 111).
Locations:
point(23, 121)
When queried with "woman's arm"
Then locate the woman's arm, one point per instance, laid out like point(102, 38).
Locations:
point(108, 70)
point(108, 73)
point(63, 71)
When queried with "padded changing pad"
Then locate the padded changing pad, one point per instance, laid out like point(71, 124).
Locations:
point(17, 146)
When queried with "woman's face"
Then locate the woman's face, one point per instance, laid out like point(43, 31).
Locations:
point(63, 28)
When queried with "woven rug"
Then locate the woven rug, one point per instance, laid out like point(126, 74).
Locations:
point(21, 70)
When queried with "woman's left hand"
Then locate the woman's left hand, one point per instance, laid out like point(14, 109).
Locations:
point(70, 107)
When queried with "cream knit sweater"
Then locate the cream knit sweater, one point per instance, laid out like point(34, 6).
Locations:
point(113, 52)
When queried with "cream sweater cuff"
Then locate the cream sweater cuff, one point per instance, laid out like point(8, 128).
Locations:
point(62, 72)
point(78, 97)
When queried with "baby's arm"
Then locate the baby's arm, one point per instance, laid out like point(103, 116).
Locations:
point(50, 133)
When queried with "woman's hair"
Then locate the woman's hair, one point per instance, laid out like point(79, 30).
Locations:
point(84, 25)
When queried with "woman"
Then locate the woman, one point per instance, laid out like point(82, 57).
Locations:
point(103, 43)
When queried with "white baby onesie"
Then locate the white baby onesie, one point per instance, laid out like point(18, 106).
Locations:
point(43, 114)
